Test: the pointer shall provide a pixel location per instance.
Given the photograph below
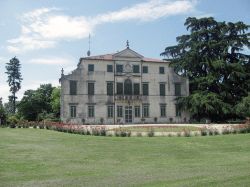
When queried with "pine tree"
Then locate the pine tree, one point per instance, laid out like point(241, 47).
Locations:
point(212, 57)
point(14, 80)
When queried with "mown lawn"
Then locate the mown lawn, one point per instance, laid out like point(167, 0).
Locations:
point(34, 157)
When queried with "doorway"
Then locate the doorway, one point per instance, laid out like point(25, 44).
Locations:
point(128, 114)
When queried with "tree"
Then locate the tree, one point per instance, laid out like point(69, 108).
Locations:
point(3, 115)
point(243, 107)
point(36, 104)
point(55, 101)
point(14, 80)
point(212, 57)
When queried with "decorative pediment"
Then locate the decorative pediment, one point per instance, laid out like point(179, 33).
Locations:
point(127, 53)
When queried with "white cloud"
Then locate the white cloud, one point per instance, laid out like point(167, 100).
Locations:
point(51, 61)
point(43, 28)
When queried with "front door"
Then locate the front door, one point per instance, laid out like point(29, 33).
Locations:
point(128, 114)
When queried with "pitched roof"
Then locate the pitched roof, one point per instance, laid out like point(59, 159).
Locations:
point(124, 53)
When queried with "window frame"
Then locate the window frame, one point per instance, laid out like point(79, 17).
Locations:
point(109, 68)
point(177, 92)
point(119, 111)
point(137, 110)
point(72, 109)
point(135, 70)
point(91, 111)
point(110, 89)
point(161, 70)
point(122, 90)
point(162, 87)
point(163, 110)
point(91, 67)
point(71, 92)
point(120, 70)
point(144, 68)
point(89, 88)
point(145, 110)
point(145, 93)
point(110, 111)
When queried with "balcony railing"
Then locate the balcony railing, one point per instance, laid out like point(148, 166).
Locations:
point(128, 97)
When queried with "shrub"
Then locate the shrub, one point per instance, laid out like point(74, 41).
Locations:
point(203, 131)
point(211, 132)
point(139, 134)
point(103, 132)
point(187, 133)
point(179, 134)
point(151, 133)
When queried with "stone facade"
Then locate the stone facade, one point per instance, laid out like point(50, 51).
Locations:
point(122, 88)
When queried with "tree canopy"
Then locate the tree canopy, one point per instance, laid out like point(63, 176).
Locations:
point(212, 57)
point(40, 103)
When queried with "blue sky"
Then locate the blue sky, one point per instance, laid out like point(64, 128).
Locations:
point(47, 35)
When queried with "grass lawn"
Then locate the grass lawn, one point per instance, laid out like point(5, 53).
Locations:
point(33, 157)
point(161, 128)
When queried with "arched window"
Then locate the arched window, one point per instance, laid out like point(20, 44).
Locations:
point(127, 87)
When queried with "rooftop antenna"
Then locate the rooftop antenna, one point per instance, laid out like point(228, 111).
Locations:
point(127, 44)
point(88, 53)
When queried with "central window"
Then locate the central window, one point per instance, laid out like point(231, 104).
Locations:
point(127, 87)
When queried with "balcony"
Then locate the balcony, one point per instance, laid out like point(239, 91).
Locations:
point(128, 97)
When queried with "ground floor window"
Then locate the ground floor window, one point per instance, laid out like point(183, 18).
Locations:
point(163, 110)
point(110, 111)
point(72, 111)
point(177, 111)
point(145, 110)
point(119, 111)
point(91, 111)
point(137, 112)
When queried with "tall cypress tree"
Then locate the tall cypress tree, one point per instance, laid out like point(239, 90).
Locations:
point(14, 80)
point(212, 57)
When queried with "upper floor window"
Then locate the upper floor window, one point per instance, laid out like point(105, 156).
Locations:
point(119, 88)
point(161, 70)
point(127, 87)
point(110, 88)
point(91, 67)
point(144, 69)
point(136, 89)
point(162, 89)
point(136, 69)
point(72, 87)
point(177, 87)
point(109, 68)
point(91, 88)
point(144, 88)
point(119, 68)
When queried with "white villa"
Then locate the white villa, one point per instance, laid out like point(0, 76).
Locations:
point(122, 88)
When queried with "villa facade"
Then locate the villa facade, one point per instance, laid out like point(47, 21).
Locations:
point(122, 88)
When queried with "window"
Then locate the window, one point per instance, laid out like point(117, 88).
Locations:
point(127, 87)
point(110, 88)
point(136, 69)
point(163, 110)
point(119, 88)
point(91, 88)
point(119, 68)
point(119, 111)
point(72, 87)
point(145, 110)
point(72, 111)
point(109, 68)
point(136, 89)
point(162, 89)
point(91, 111)
point(177, 111)
point(161, 70)
point(144, 88)
point(137, 112)
point(177, 87)
point(91, 67)
point(110, 111)
point(145, 69)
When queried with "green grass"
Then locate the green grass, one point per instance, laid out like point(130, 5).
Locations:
point(161, 128)
point(33, 157)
